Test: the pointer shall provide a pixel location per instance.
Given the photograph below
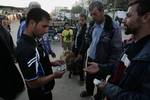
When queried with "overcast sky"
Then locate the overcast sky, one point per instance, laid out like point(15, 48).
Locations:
point(48, 5)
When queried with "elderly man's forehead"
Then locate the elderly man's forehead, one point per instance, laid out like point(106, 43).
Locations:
point(129, 9)
point(131, 1)
point(132, 8)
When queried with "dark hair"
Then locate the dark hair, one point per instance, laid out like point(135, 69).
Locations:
point(96, 4)
point(83, 15)
point(37, 14)
point(66, 24)
point(143, 6)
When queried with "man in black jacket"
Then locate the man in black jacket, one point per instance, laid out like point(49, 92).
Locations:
point(133, 82)
point(79, 44)
point(33, 61)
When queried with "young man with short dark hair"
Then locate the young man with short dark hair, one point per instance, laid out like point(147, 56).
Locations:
point(33, 61)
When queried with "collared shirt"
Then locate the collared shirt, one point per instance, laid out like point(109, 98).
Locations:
point(95, 38)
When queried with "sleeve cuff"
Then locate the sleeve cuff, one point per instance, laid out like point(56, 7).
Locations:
point(111, 90)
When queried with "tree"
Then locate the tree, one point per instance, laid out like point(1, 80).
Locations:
point(121, 4)
point(76, 9)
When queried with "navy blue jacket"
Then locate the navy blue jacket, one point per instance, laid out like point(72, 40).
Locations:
point(135, 83)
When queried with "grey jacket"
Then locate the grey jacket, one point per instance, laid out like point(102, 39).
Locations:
point(109, 47)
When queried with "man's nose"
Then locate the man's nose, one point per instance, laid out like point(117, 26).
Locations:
point(93, 17)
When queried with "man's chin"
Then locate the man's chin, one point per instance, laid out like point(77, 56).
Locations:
point(39, 36)
point(128, 32)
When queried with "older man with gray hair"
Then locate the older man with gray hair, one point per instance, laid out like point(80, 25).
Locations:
point(104, 45)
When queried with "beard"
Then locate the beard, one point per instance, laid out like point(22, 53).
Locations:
point(36, 34)
point(129, 30)
point(39, 36)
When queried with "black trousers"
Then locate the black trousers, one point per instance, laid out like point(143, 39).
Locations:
point(89, 79)
point(79, 64)
point(36, 95)
point(89, 84)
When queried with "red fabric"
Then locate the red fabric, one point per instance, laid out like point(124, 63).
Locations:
point(117, 75)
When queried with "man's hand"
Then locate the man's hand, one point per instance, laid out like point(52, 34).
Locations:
point(93, 68)
point(102, 85)
point(58, 74)
point(57, 62)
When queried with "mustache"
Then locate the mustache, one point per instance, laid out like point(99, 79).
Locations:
point(125, 25)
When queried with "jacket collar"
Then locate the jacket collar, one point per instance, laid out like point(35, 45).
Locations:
point(145, 53)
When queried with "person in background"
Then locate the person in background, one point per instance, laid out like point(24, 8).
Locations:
point(45, 42)
point(12, 85)
point(33, 61)
point(130, 77)
point(5, 34)
point(6, 24)
point(79, 44)
point(67, 36)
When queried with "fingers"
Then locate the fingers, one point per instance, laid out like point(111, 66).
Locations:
point(102, 85)
point(89, 68)
point(92, 68)
point(59, 74)
point(58, 62)
point(85, 69)
point(91, 64)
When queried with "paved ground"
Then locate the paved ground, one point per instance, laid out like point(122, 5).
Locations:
point(65, 89)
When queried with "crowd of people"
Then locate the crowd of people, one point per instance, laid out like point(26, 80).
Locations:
point(97, 47)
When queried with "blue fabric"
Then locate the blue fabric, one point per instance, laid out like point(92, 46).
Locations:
point(78, 32)
point(95, 38)
point(40, 70)
point(45, 41)
point(21, 29)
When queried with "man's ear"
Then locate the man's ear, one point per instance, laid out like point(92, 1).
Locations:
point(32, 23)
point(146, 17)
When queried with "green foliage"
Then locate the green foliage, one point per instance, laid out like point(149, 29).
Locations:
point(121, 4)
point(76, 9)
